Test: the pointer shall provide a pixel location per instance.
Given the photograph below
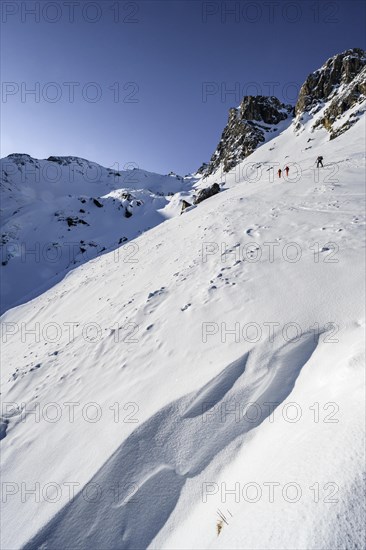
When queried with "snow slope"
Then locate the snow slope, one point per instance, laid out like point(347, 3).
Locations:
point(226, 353)
point(61, 212)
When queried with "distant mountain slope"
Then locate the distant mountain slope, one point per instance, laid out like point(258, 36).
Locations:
point(63, 211)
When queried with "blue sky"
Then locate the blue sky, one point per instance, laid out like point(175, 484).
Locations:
point(148, 82)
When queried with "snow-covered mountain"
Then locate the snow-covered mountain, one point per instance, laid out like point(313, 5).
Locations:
point(244, 432)
point(63, 211)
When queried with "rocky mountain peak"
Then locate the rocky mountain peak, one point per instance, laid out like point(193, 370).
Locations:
point(340, 84)
point(265, 109)
point(249, 125)
point(323, 83)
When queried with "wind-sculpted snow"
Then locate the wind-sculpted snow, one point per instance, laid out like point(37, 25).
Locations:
point(177, 443)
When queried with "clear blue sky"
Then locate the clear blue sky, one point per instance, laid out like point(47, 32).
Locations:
point(151, 81)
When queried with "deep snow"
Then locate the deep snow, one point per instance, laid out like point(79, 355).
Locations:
point(233, 368)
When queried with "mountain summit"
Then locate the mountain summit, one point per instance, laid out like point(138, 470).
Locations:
point(339, 86)
point(322, 84)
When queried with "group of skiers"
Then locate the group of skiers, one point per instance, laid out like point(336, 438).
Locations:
point(319, 162)
point(287, 170)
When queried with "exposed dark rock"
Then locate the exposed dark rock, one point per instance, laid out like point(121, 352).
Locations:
point(321, 84)
point(206, 193)
point(354, 94)
point(66, 161)
point(342, 83)
point(22, 157)
point(265, 109)
point(55, 159)
point(185, 204)
point(203, 168)
point(71, 222)
point(127, 196)
point(97, 203)
point(4, 422)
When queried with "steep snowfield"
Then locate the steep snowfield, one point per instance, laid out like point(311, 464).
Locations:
point(59, 213)
point(192, 372)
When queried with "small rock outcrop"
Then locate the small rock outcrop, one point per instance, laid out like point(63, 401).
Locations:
point(206, 193)
point(185, 205)
point(97, 203)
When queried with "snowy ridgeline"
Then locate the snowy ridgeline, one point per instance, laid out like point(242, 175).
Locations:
point(201, 385)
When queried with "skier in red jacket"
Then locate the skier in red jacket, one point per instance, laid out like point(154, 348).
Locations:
point(287, 169)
